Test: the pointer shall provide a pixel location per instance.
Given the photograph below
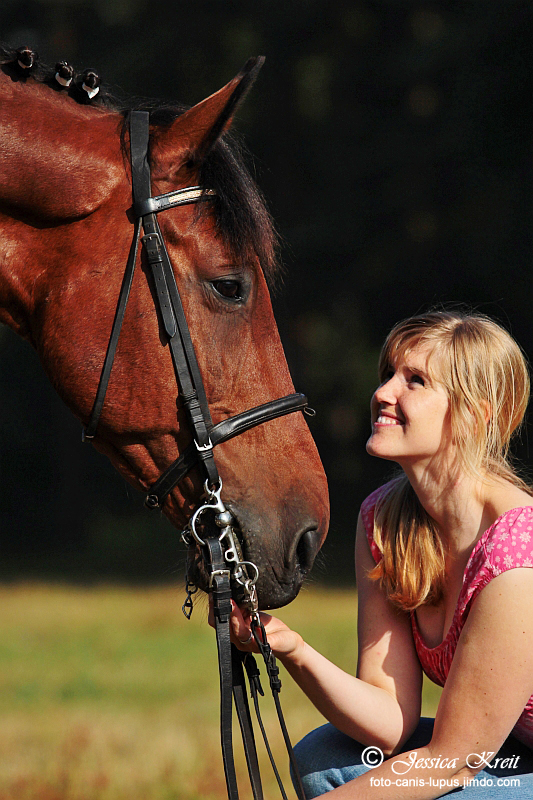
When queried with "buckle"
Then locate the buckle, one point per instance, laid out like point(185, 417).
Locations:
point(202, 448)
point(216, 572)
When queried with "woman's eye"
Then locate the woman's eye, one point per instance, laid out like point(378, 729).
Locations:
point(232, 290)
point(417, 379)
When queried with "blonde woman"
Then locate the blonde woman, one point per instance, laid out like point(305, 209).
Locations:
point(444, 557)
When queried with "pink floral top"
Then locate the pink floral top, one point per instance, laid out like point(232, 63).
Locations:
point(507, 544)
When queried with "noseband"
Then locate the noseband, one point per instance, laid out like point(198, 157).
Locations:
point(222, 551)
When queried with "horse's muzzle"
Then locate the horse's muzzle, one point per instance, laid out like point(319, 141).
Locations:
point(276, 587)
point(281, 574)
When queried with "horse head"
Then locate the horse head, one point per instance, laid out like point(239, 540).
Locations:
point(65, 221)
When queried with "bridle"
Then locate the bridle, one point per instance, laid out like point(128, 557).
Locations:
point(220, 550)
point(173, 320)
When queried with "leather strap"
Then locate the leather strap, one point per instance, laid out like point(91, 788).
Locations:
point(255, 688)
point(141, 181)
point(272, 668)
point(90, 430)
point(168, 298)
point(183, 353)
point(245, 721)
point(230, 663)
point(188, 375)
point(221, 592)
point(231, 675)
point(179, 197)
point(225, 430)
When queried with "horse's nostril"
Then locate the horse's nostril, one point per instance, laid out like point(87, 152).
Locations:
point(306, 549)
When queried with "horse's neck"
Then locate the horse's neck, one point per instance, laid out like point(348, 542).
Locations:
point(59, 163)
point(58, 160)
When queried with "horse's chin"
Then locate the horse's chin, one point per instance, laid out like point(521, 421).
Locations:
point(275, 594)
point(271, 592)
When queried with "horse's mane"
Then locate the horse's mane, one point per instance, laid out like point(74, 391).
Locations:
point(240, 211)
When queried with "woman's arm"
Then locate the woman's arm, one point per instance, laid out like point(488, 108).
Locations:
point(382, 705)
point(488, 686)
point(387, 654)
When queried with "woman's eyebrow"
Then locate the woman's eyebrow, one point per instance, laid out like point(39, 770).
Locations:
point(422, 371)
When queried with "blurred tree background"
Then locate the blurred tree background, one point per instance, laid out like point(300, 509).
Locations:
point(392, 139)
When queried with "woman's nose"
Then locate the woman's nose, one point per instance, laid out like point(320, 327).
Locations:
point(387, 392)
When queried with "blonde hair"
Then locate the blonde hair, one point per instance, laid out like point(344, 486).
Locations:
point(486, 378)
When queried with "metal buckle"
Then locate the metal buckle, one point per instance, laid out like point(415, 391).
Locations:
point(203, 447)
point(216, 572)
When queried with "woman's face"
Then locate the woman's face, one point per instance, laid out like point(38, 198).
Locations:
point(410, 413)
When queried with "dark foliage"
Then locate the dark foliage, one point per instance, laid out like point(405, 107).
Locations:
point(395, 140)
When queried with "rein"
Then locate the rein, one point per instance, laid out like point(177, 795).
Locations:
point(218, 543)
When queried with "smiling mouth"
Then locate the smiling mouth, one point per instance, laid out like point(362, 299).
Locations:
point(385, 420)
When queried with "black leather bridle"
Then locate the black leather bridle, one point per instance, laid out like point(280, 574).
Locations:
point(221, 551)
point(172, 317)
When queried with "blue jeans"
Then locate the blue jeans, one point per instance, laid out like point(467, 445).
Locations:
point(328, 758)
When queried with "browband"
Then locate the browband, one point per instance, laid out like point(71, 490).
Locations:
point(179, 197)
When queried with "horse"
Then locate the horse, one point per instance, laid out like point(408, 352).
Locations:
point(65, 235)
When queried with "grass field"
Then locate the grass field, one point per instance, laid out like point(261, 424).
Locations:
point(110, 694)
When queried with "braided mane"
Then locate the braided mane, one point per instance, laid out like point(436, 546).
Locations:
point(241, 215)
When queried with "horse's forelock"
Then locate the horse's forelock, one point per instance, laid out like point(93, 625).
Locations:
point(241, 212)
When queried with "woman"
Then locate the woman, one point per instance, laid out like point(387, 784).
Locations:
point(444, 557)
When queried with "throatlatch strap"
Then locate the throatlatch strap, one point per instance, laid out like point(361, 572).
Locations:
point(127, 281)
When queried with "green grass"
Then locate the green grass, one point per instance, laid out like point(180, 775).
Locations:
point(110, 694)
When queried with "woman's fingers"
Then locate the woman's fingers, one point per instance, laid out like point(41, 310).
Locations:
point(280, 637)
point(241, 628)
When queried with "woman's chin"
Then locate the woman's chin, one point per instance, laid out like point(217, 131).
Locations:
point(373, 449)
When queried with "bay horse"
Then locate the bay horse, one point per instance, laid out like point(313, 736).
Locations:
point(65, 234)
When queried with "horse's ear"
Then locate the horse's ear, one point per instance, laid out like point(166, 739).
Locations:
point(195, 131)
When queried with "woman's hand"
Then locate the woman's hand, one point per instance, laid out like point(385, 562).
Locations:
point(285, 643)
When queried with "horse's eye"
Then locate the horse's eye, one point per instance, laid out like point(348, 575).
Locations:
point(232, 290)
